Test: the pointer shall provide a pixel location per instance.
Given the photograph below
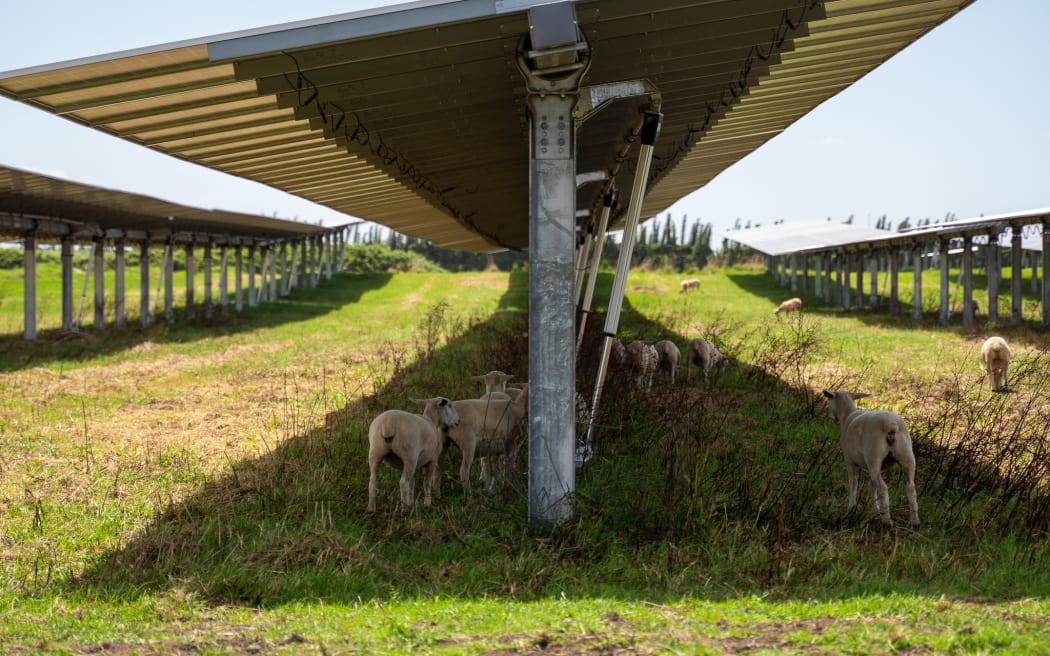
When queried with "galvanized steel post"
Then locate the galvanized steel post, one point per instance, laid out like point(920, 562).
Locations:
point(552, 60)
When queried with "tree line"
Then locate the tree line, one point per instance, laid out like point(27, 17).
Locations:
point(661, 243)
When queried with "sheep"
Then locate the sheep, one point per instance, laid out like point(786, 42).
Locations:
point(405, 440)
point(686, 285)
point(486, 428)
point(704, 355)
point(868, 437)
point(495, 381)
point(640, 358)
point(995, 356)
point(669, 355)
point(644, 359)
point(790, 305)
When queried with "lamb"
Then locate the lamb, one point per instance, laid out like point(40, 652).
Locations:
point(995, 356)
point(686, 285)
point(405, 440)
point(486, 428)
point(669, 356)
point(868, 437)
point(790, 305)
point(704, 355)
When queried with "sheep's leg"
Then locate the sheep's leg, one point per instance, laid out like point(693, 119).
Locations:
point(913, 503)
point(851, 480)
point(408, 474)
point(373, 480)
point(467, 448)
point(430, 479)
point(488, 473)
point(881, 492)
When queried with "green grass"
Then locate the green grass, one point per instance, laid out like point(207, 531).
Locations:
point(202, 488)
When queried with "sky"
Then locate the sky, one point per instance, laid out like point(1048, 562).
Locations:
point(958, 123)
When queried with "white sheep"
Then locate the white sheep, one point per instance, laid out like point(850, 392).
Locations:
point(494, 381)
point(995, 356)
point(486, 428)
point(868, 437)
point(704, 355)
point(406, 441)
point(669, 354)
point(691, 283)
point(790, 305)
point(644, 359)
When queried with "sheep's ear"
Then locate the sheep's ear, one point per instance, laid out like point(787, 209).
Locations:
point(478, 378)
point(829, 394)
point(421, 401)
point(859, 395)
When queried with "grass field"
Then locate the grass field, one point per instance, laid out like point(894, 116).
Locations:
point(201, 489)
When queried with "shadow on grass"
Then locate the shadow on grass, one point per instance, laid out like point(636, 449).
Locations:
point(722, 489)
point(303, 304)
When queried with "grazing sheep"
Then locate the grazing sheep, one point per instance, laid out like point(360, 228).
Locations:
point(995, 355)
point(686, 285)
point(669, 356)
point(639, 358)
point(704, 355)
point(790, 305)
point(486, 428)
point(644, 360)
point(869, 437)
point(404, 440)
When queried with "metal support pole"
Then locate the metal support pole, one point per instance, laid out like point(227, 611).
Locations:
point(552, 60)
point(1015, 275)
point(583, 249)
point(253, 298)
point(873, 300)
point(224, 284)
point(818, 272)
point(29, 287)
point(207, 265)
point(916, 285)
point(119, 293)
point(1046, 274)
point(944, 282)
point(273, 271)
point(967, 277)
point(895, 269)
point(860, 281)
point(169, 282)
point(993, 273)
point(238, 282)
point(284, 268)
point(592, 274)
point(145, 318)
point(650, 131)
point(847, 283)
point(100, 284)
point(191, 282)
point(67, 285)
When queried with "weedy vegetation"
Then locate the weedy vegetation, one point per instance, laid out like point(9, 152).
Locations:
point(202, 489)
